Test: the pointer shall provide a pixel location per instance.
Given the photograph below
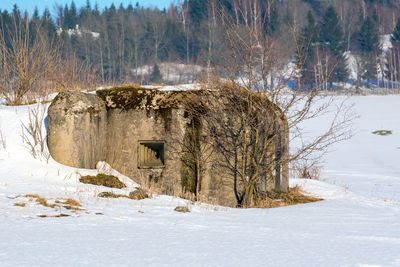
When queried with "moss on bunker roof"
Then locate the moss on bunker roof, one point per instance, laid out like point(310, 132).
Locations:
point(137, 97)
point(129, 97)
point(131, 87)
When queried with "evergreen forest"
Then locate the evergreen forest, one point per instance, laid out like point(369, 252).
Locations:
point(114, 43)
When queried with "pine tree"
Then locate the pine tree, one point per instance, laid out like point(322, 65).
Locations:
point(368, 37)
point(331, 33)
point(88, 5)
point(305, 53)
point(70, 16)
point(332, 41)
point(16, 13)
point(395, 39)
point(67, 20)
point(198, 10)
point(273, 19)
point(34, 23)
point(155, 76)
point(5, 25)
point(35, 15)
point(393, 56)
point(47, 25)
point(369, 48)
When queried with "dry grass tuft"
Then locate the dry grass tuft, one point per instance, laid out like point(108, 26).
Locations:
point(38, 199)
point(111, 195)
point(138, 194)
point(53, 216)
point(69, 207)
point(102, 179)
point(296, 195)
point(293, 196)
point(67, 203)
point(70, 204)
point(42, 201)
point(30, 196)
point(131, 85)
point(73, 202)
point(182, 209)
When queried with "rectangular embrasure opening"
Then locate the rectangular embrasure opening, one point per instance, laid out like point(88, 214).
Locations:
point(151, 154)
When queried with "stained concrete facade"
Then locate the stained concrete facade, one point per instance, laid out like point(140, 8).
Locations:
point(140, 134)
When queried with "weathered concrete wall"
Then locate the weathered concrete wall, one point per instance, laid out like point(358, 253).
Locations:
point(136, 115)
point(127, 127)
point(77, 129)
point(282, 155)
point(218, 181)
point(217, 184)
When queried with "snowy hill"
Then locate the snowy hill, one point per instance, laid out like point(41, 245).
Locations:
point(358, 223)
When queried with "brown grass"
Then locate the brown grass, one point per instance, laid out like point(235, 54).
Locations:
point(38, 199)
point(70, 204)
point(53, 216)
point(138, 194)
point(182, 209)
point(294, 196)
point(42, 201)
point(102, 179)
point(67, 203)
point(30, 196)
point(111, 195)
point(131, 85)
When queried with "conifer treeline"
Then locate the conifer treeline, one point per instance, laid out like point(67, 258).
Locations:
point(118, 40)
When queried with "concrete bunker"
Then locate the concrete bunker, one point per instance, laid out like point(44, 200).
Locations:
point(144, 134)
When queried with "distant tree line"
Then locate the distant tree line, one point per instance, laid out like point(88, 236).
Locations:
point(315, 34)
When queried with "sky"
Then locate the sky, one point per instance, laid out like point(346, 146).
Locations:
point(51, 4)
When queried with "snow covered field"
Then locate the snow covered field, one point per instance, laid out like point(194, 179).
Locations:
point(358, 223)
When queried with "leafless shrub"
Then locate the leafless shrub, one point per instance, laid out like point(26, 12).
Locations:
point(250, 136)
point(257, 74)
point(307, 169)
point(102, 179)
point(26, 62)
point(33, 134)
point(76, 75)
point(182, 209)
point(3, 140)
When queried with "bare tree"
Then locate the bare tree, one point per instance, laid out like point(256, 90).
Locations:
point(257, 108)
point(34, 134)
point(76, 75)
point(248, 134)
point(393, 64)
point(193, 144)
point(25, 61)
point(255, 55)
point(157, 31)
point(184, 13)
